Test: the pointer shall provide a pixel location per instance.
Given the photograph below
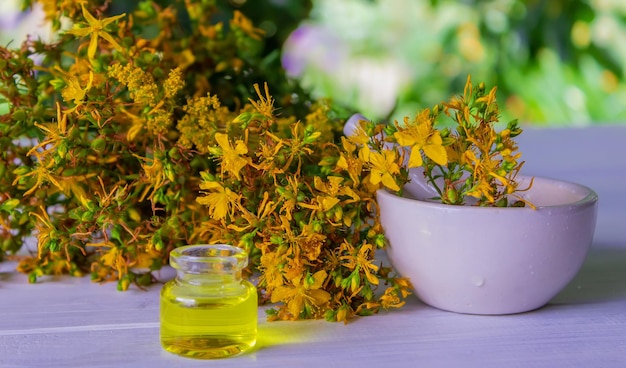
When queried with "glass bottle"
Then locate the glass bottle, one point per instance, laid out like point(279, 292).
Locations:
point(208, 311)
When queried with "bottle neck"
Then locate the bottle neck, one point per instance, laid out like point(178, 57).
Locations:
point(209, 264)
point(209, 278)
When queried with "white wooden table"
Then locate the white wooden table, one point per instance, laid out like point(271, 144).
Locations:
point(69, 322)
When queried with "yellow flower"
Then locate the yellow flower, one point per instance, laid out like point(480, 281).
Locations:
point(96, 29)
point(155, 175)
point(220, 201)
point(174, 83)
point(265, 104)
point(141, 85)
point(289, 197)
point(420, 136)
point(349, 162)
point(73, 91)
point(391, 299)
point(114, 259)
point(243, 23)
point(42, 175)
point(311, 243)
point(384, 165)
point(361, 260)
point(359, 135)
point(488, 99)
point(332, 188)
point(268, 156)
point(231, 157)
point(55, 133)
point(304, 292)
point(271, 265)
point(45, 230)
point(329, 202)
point(145, 258)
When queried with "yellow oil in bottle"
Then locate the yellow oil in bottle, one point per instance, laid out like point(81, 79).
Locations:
point(208, 316)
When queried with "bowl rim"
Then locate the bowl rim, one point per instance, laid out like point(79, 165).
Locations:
point(589, 199)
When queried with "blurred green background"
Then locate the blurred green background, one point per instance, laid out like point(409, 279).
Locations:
point(555, 62)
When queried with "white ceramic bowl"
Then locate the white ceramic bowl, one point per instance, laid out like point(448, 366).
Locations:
point(484, 260)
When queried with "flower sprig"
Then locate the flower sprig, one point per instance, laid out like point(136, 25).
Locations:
point(104, 136)
point(285, 191)
point(471, 163)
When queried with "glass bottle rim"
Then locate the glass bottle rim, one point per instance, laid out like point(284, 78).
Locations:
point(199, 258)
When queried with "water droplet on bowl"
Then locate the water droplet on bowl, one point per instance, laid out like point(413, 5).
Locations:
point(478, 281)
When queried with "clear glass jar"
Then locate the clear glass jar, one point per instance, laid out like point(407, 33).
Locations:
point(208, 311)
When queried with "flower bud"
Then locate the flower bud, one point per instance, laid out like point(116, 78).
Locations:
point(98, 144)
point(18, 115)
point(174, 153)
point(452, 195)
point(62, 150)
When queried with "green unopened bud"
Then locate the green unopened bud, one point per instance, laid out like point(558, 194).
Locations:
point(317, 227)
point(57, 84)
point(62, 150)
point(437, 109)
point(157, 72)
point(301, 197)
point(243, 119)
point(6, 245)
point(207, 176)
point(502, 202)
point(87, 216)
point(123, 283)
point(247, 240)
point(145, 279)
point(146, 8)
point(283, 192)
point(280, 159)
point(99, 144)
point(157, 241)
point(338, 280)
point(23, 219)
point(53, 244)
point(338, 214)
point(389, 130)
point(97, 65)
point(508, 166)
point(18, 115)
point(452, 195)
point(379, 241)
point(299, 216)
point(169, 173)
point(116, 233)
point(514, 128)
point(310, 138)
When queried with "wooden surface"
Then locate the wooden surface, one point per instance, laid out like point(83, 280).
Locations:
point(69, 322)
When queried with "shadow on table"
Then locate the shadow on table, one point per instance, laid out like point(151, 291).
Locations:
point(602, 278)
point(281, 333)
